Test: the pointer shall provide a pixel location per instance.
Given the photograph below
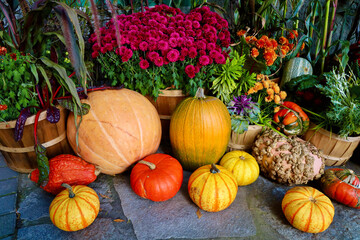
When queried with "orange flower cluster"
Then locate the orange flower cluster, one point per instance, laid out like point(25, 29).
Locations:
point(3, 51)
point(3, 107)
point(269, 48)
point(272, 89)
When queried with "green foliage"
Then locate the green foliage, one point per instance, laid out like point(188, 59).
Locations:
point(17, 85)
point(151, 80)
point(343, 112)
point(232, 79)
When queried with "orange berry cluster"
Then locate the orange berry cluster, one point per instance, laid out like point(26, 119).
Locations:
point(3, 51)
point(270, 48)
point(272, 89)
point(3, 107)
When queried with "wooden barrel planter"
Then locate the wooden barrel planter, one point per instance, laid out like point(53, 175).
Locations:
point(335, 150)
point(20, 156)
point(244, 141)
point(165, 104)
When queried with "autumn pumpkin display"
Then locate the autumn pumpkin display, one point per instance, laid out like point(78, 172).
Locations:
point(157, 177)
point(74, 208)
point(121, 127)
point(291, 119)
point(242, 165)
point(66, 168)
point(342, 185)
point(212, 188)
point(308, 209)
point(288, 160)
point(200, 130)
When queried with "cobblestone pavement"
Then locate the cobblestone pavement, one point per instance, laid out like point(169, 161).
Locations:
point(24, 213)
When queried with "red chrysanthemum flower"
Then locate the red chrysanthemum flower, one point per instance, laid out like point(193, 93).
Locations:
point(204, 60)
point(163, 45)
point(144, 64)
point(190, 71)
point(159, 61)
point(192, 52)
point(143, 46)
point(254, 52)
point(173, 55)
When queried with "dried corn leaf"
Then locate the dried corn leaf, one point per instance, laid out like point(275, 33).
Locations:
point(119, 220)
point(198, 213)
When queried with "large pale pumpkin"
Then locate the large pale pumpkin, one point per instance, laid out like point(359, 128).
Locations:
point(212, 188)
point(121, 127)
point(242, 165)
point(200, 130)
point(308, 209)
point(75, 208)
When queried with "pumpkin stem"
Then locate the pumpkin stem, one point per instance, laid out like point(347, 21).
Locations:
point(69, 188)
point(200, 93)
point(214, 169)
point(149, 164)
point(242, 157)
point(312, 199)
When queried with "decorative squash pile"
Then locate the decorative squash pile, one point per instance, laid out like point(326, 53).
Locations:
point(200, 128)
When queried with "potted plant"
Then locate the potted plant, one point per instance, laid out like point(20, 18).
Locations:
point(33, 79)
point(336, 129)
point(162, 47)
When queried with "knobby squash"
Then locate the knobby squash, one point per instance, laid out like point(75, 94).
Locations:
point(212, 188)
point(242, 165)
point(342, 185)
point(308, 209)
point(121, 127)
point(157, 177)
point(200, 130)
point(74, 208)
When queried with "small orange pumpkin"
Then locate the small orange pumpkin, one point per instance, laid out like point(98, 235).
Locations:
point(308, 209)
point(74, 208)
point(242, 165)
point(212, 188)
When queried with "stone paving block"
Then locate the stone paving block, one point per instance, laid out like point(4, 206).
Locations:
point(7, 223)
point(6, 173)
point(7, 204)
point(2, 161)
point(43, 232)
point(37, 199)
point(8, 186)
point(11, 237)
point(177, 218)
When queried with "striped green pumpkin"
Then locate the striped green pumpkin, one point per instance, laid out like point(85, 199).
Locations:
point(294, 68)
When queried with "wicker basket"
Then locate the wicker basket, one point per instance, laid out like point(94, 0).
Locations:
point(20, 156)
point(244, 141)
point(165, 104)
point(336, 150)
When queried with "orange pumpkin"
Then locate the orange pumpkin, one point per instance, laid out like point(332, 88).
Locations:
point(200, 130)
point(157, 177)
point(308, 209)
point(74, 208)
point(121, 127)
point(212, 188)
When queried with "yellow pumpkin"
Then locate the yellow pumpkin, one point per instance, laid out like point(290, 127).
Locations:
point(200, 130)
point(74, 208)
point(212, 188)
point(121, 128)
point(242, 165)
point(308, 209)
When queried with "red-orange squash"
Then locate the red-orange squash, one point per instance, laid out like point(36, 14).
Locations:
point(121, 127)
point(342, 185)
point(157, 177)
point(74, 208)
point(200, 130)
point(212, 188)
point(308, 209)
point(66, 168)
point(291, 119)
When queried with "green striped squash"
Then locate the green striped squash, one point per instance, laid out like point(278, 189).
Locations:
point(295, 67)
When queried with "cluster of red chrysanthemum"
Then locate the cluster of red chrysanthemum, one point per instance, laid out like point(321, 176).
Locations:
point(163, 35)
